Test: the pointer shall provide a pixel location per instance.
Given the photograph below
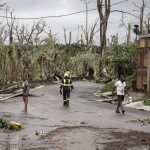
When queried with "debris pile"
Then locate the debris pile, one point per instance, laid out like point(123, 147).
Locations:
point(143, 121)
point(10, 125)
point(106, 97)
point(4, 124)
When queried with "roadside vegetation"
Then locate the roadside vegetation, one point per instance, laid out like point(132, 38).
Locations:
point(35, 51)
point(146, 101)
point(107, 87)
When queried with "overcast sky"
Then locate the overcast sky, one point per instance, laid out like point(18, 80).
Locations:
point(39, 8)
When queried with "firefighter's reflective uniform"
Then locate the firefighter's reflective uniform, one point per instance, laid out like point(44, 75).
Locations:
point(65, 88)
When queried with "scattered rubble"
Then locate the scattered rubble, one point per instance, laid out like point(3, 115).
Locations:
point(40, 133)
point(131, 101)
point(83, 123)
point(9, 89)
point(106, 97)
point(138, 105)
point(143, 121)
point(10, 92)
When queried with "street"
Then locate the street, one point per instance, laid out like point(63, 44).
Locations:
point(85, 125)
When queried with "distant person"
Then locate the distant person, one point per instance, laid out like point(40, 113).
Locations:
point(67, 73)
point(65, 89)
point(25, 87)
point(30, 76)
point(120, 85)
point(90, 72)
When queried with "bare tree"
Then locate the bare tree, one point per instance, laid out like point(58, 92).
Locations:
point(3, 34)
point(86, 20)
point(104, 10)
point(90, 33)
point(10, 24)
point(93, 31)
point(29, 37)
point(147, 24)
point(20, 34)
point(36, 29)
point(65, 37)
point(11, 50)
point(103, 7)
point(129, 34)
point(128, 30)
point(141, 15)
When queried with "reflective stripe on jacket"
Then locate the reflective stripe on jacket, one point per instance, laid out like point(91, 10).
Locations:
point(67, 83)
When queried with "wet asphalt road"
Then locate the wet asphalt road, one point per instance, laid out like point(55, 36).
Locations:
point(46, 113)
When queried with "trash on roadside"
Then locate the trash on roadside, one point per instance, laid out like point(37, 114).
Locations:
point(15, 125)
point(40, 133)
point(99, 114)
point(130, 99)
point(83, 123)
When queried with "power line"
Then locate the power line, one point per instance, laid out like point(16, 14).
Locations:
point(57, 16)
point(119, 2)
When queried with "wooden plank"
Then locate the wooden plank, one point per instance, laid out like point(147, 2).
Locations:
point(13, 95)
point(18, 94)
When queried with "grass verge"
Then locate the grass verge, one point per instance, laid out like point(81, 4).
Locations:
point(146, 101)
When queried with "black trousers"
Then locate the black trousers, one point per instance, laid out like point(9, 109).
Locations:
point(66, 94)
point(120, 100)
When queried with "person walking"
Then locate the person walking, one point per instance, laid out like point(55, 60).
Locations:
point(25, 87)
point(120, 85)
point(65, 89)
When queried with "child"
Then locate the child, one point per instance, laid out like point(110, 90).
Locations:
point(25, 86)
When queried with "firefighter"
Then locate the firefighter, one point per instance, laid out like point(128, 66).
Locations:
point(67, 73)
point(65, 89)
